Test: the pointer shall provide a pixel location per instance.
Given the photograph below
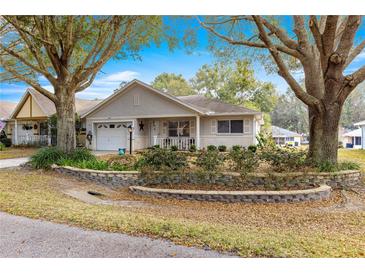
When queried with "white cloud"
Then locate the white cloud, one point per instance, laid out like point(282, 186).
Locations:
point(360, 57)
point(126, 75)
point(104, 86)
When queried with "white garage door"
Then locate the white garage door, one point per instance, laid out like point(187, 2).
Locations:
point(111, 136)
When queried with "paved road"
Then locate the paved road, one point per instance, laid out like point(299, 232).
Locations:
point(23, 237)
point(5, 163)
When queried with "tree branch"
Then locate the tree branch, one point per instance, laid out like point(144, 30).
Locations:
point(283, 70)
point(248, 43)
point(30, 82)
point(355, 52)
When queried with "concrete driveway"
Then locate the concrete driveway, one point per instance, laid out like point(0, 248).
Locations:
point(23, 237)
point(14, 162)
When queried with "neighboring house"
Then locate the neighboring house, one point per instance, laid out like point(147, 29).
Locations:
point(6, 108)
point(28, 122)
point(158, 118)
point(352, 139)
point(362, 127)
point(284, 137)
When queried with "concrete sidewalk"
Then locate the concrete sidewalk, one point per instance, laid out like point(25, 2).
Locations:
point(14, 162)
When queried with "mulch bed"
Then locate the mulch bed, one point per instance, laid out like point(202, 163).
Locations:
point(235, 187)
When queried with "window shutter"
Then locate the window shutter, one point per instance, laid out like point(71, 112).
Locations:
point(247, 126)
point(192, 128)
point(213, 126)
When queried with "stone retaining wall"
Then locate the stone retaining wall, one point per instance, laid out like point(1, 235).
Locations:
point(342, 179)
point(319, 193)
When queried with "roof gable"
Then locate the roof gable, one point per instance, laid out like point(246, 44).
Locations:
point(138, 85)
point(282, 132)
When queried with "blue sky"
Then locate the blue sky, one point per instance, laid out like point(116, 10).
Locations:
point(155, 60)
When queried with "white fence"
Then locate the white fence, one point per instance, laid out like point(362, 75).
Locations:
point(33, 140)
point(182, 143)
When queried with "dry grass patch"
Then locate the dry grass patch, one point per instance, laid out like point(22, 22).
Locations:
point(251, 230)
point(17, 152)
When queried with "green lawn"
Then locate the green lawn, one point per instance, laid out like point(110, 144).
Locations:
point(12, 152)
point(353, 155)
point(250, 230)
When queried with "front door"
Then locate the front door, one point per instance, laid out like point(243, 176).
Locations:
point(154, 127)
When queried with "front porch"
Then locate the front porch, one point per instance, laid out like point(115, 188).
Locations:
point(181, 132)
point(31, 132)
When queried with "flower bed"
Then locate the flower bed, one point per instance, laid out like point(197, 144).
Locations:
point(340, 179)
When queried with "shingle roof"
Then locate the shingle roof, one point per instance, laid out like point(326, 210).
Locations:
point(49, 108)
point(282, 132)
point(353, 133)
point(6, 108)
point(360, 123)
point(214, 106)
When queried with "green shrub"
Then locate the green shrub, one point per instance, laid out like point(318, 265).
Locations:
point(244, 161)
point(222, 148)
point(211, 148)
point(81, 154)
point(265, 140)
point(192, 148)
point(6, 142)
point(348, 166)
point(45, 157)
point(328, 166)
point(159, 158)
point(210, 160)
point(252, 148)
point(174, 148)
point(2, 146)
point(282, 159)
point(156, 146)
point(236, 148)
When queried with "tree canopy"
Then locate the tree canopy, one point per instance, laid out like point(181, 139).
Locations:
point(174, 84)
point(322, 47)
point(235, 83)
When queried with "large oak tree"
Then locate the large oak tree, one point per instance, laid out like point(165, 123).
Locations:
point(322, 46)
point(68, 51)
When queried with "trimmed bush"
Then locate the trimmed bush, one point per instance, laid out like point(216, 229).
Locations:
point(2, 146)
point(211, 148)
point(174, 148)
point(252, 148)
point(210, 160)
point(192, 148)
point(45, 157)
point(6, 142)
point(222, 148)
point(236, 148)
point(283, 159)
point(159, 158)
point(243, 161)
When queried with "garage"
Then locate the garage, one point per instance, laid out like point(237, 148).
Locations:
point(111, 136)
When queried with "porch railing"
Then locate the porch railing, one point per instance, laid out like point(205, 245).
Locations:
point(182, 143)
point(33, 140)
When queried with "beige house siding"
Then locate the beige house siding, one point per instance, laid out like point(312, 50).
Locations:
point(210, 136)
point(24, 112)
point(139, 101)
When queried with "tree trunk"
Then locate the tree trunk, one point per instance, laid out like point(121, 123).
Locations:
point(323, 134)
point(65, 109)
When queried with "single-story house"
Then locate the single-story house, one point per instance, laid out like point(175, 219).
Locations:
point(362, 127)
point(28, 122)
point(6, 108)
point(352, 139)
point(158, 118)
point(284, 137)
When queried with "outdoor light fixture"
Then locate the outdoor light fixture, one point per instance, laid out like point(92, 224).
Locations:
point(130, 130)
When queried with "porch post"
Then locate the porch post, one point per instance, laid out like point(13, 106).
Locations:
point(16, 132)
point(197, 132)
point(49, 134)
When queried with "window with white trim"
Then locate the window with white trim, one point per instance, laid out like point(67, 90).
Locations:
point(179, 128)
point(233, 126)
